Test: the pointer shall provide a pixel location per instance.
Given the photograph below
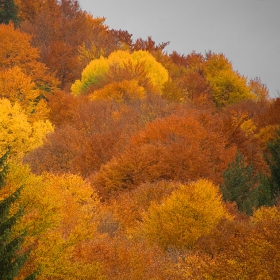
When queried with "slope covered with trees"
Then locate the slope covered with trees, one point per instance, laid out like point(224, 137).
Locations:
point(136, 163)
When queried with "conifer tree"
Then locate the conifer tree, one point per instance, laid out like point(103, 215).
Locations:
point(264, 192)
point(8, 12)
point(273, 161)
point(239, 181)
point(248, 189)
point(11, 260)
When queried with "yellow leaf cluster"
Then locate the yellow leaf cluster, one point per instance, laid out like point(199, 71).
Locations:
point(120, 91)
point(19, 87)
point(228, 86)
point(60, 214)
point(95, 72)
point(248, 127)
point(267, 133)
point(188, 213)
point(16, 133)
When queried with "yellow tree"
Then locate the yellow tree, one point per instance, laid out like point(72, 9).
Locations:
point(16, 133)
point(60, 214)
point(227, 85)
point(187, 214)
point(126, 209)
point(19, 87)
point(94, 75)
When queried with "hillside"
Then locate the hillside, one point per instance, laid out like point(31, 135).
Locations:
point(134, 163)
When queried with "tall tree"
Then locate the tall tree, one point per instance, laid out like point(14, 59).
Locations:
point(227, 85)
point(273, 160)
point(8, 12)
point(11, 260)
point(243, 185)
point(239, 181)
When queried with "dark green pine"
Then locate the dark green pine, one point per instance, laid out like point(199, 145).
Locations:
point(239, 185)
point(273, 161)
point(8, 12)
point(11, 260)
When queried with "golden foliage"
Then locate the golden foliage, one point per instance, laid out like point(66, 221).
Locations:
point(227, 85)
point(120, 91)
point(16, 133)
point(60, 214)
point(95, 72)
point(187, 214)
point(238, 249)
point(18, 87)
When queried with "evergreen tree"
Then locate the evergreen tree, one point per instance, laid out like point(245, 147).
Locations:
point(8, 12)
point(10, 259)
point(249, 190)
point(273, 161)
point(239, 182)
point(263, 192)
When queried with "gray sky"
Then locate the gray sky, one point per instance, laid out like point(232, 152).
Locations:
point(246, 31)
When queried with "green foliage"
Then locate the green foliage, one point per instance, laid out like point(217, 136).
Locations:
point(8, 12)
point(264, 192)
point(273, 161)
point(243, 186)
point(239, 183)
point(10, 259)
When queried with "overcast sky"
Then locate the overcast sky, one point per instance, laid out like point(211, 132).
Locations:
point(246, 31)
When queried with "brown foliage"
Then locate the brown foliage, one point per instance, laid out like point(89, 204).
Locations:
point(88, 139)
point(148, 45)
point(271, 114)
point(89, 133)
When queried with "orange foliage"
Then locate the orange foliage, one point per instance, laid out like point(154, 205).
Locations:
point(19, 88)
point(259, 90)
point(127, 208)
point(59, 29)
point(271, 114)
point(16, 50)
point(147, 136)
point(172, 148)
point(84, 141)
point(123, 91)
point(188, 82)
point(238, 249)
point(234, 126)
point(125, 258)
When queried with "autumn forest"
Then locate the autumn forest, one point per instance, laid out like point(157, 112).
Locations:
point(119, 160)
